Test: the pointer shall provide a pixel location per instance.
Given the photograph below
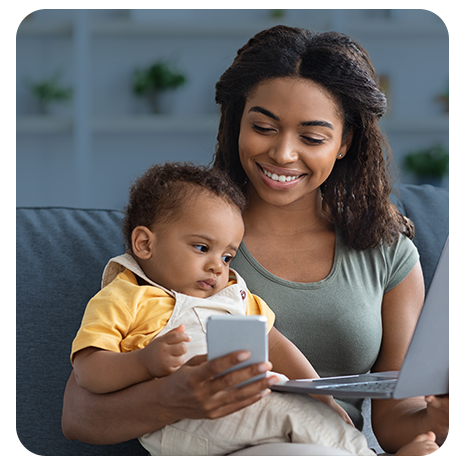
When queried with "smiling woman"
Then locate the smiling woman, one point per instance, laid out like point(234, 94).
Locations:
point(290, 137)
point(342, 107)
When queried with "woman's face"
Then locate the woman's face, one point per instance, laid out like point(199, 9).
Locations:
point(290, 138)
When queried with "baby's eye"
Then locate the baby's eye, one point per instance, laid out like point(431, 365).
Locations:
point(227, 259)
point(201, 248)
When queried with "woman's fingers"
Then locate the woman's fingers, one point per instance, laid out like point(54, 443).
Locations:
point(438, 416)
point(211, 371)
point(204, 393)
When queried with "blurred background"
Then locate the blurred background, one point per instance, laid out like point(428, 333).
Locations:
point(103, 94)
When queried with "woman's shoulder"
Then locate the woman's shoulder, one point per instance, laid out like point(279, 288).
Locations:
point(391, 262)
point(401, 248)
point(385, 253)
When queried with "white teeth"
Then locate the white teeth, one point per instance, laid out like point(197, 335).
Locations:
point(279, 178)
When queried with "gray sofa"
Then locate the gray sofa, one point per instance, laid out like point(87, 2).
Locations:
point(61, 253)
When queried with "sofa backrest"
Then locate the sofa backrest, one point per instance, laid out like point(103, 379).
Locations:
point(60, 256)
point(428, 207)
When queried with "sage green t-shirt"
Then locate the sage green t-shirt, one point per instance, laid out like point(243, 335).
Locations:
point(335, 322)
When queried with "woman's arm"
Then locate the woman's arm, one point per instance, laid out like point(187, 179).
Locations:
point(397, 422)
point(101, 371)
point(190, 392)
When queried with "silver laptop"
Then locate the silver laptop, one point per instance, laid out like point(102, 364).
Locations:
point(425, 370)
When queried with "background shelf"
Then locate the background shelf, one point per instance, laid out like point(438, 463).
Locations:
point(87, 152)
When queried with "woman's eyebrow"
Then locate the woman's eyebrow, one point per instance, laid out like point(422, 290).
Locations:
point(260, 109)
point(317, 123)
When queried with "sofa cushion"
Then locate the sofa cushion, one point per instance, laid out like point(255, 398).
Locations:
point(60, 256)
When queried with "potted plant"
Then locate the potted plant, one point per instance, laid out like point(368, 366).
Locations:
point(276, 14)
point(48, 91)
point(155, 81)
point(429, 165)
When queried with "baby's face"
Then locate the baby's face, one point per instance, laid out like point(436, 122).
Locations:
point(192, 255)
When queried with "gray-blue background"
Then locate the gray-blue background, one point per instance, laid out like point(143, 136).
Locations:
point(86, 152)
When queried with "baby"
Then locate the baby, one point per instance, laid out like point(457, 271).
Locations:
point(183, 226)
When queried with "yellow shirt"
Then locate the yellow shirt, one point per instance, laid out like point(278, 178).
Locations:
point(125, 316)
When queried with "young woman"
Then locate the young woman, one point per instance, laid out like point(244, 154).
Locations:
point(323, 244)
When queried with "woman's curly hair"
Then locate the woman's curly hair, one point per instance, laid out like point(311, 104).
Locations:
point(356, 194)
point(157, 196)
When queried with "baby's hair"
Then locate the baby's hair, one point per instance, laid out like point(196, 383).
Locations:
point(157, 195)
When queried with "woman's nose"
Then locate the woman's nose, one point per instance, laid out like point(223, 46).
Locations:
point(284, 150)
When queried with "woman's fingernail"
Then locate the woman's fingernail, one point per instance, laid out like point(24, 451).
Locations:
point(272, 381)
point(264, 367)
point(243, 356)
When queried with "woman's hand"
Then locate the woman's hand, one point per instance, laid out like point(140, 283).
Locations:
point(193, 391)
point(438, 416)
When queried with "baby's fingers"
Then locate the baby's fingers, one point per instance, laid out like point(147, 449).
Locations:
point(176, 349)
point(175, 336)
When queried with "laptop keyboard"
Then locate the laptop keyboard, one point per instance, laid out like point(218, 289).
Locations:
point(380, 386)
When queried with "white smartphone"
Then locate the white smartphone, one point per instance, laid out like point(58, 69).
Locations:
point(226, 334)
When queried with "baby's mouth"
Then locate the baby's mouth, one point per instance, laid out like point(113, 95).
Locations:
point(207, 283)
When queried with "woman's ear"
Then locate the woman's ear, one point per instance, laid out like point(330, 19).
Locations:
point(143, 241)
point(346, 144)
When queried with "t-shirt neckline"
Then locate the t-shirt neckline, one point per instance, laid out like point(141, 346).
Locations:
point(297, 285)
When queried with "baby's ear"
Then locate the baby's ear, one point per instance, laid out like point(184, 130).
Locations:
point(143, 241)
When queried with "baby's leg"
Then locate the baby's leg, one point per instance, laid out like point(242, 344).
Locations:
point(276, 418)
point(313, 422)
point(421, 445)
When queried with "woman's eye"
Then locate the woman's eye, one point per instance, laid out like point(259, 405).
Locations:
point(312, 140)
point(263, 130)
point(201, 248)
point(227, 259)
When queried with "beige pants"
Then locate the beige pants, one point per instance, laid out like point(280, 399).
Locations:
point(276, 418)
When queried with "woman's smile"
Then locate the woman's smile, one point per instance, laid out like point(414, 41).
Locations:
point(279, 178)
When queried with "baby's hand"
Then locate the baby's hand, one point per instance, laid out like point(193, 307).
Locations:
point(165, 354)
point(329, 401)
point(341, 412)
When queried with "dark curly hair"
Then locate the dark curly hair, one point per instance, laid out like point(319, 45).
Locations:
point(158, 194)
point(356, 194)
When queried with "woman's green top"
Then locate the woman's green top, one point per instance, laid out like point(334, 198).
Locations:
point(335, 322)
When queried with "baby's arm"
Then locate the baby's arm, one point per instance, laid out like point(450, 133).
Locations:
point(101, 371)
point(287, 359)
